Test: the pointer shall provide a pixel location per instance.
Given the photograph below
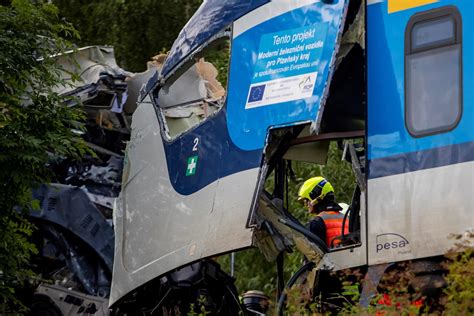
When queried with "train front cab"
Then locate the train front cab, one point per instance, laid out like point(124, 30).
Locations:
point(406, 92)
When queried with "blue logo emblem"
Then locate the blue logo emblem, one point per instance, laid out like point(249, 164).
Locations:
point(306, 84)
point(256, 93)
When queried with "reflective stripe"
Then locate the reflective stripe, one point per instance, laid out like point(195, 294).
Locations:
point(331, 215)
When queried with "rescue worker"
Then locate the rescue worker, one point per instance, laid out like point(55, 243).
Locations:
point(318, 195)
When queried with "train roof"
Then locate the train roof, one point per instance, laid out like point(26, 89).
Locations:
point(212, 17)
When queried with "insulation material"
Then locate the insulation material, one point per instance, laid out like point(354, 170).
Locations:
point(157, 61)
point(283, 236)
point(199, 88)
point(209, 73)
point(184, 112)
point(188, 88)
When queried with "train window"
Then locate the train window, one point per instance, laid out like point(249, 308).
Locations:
point(433, 71)
point(198, 92)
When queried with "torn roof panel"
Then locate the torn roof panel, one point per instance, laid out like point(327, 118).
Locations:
point(211, 18)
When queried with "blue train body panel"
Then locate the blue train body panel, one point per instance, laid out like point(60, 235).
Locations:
point(218, 156)
point(392, 149)
point(249, 121)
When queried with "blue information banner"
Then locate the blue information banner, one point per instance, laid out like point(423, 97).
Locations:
point(286, 64)
point(279, 69)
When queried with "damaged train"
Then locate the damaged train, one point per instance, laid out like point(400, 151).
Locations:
point(385, 78)
point(74, 235)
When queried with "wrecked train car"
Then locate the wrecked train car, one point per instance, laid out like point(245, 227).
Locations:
point(75, 237)
point(388, 74)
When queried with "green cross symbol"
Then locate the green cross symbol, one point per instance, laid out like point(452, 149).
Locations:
point(192, 165)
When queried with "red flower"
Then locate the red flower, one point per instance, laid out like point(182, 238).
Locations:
point(385, 300)
point(418, 303)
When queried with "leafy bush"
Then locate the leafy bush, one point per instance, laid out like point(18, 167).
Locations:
point(34, 125)
point(460, 290)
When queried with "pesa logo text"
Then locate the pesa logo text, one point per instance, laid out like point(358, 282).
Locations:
point(390, 241)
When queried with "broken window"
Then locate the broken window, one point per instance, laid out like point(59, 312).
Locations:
point(198, 93)
point(433, 72)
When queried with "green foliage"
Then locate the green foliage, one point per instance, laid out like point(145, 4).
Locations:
point(298, 302)
point(137, 29)
point(252, 271)
point(394, 298)
point(33, 126)
point(15, 252)
point(460, 290)
point(199, 309)
point(336, 171)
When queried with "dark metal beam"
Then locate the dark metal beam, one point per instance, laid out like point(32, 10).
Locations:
point(327, 136)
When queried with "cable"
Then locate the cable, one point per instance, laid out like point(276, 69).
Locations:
point(308, 266)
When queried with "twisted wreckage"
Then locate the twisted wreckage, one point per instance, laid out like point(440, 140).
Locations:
point(75, 228)
point(75, 234)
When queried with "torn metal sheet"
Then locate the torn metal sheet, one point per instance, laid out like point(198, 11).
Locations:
point(75, 235)
point(355, 35)
point(188, 88)
point(68, 302)
point(92, 63)
point(102, 88)
point(191, 98)
point(284, 235)
point(70, 208)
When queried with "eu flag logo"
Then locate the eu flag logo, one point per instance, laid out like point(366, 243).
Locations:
point(256, 93)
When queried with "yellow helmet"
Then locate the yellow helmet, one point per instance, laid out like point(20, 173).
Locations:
point(315, 190)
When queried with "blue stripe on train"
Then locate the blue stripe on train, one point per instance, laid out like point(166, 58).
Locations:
point(421, 160)
point(218, 156)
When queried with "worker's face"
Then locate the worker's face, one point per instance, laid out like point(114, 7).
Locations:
point(311, 208)
point(308, 205)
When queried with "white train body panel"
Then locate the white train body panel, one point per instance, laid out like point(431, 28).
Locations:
point(414, 215)
point(159, 229)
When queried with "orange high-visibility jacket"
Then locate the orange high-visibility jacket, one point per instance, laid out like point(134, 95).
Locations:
point(333, 221)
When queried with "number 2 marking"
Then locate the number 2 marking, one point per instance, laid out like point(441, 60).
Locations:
point(196, 142)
